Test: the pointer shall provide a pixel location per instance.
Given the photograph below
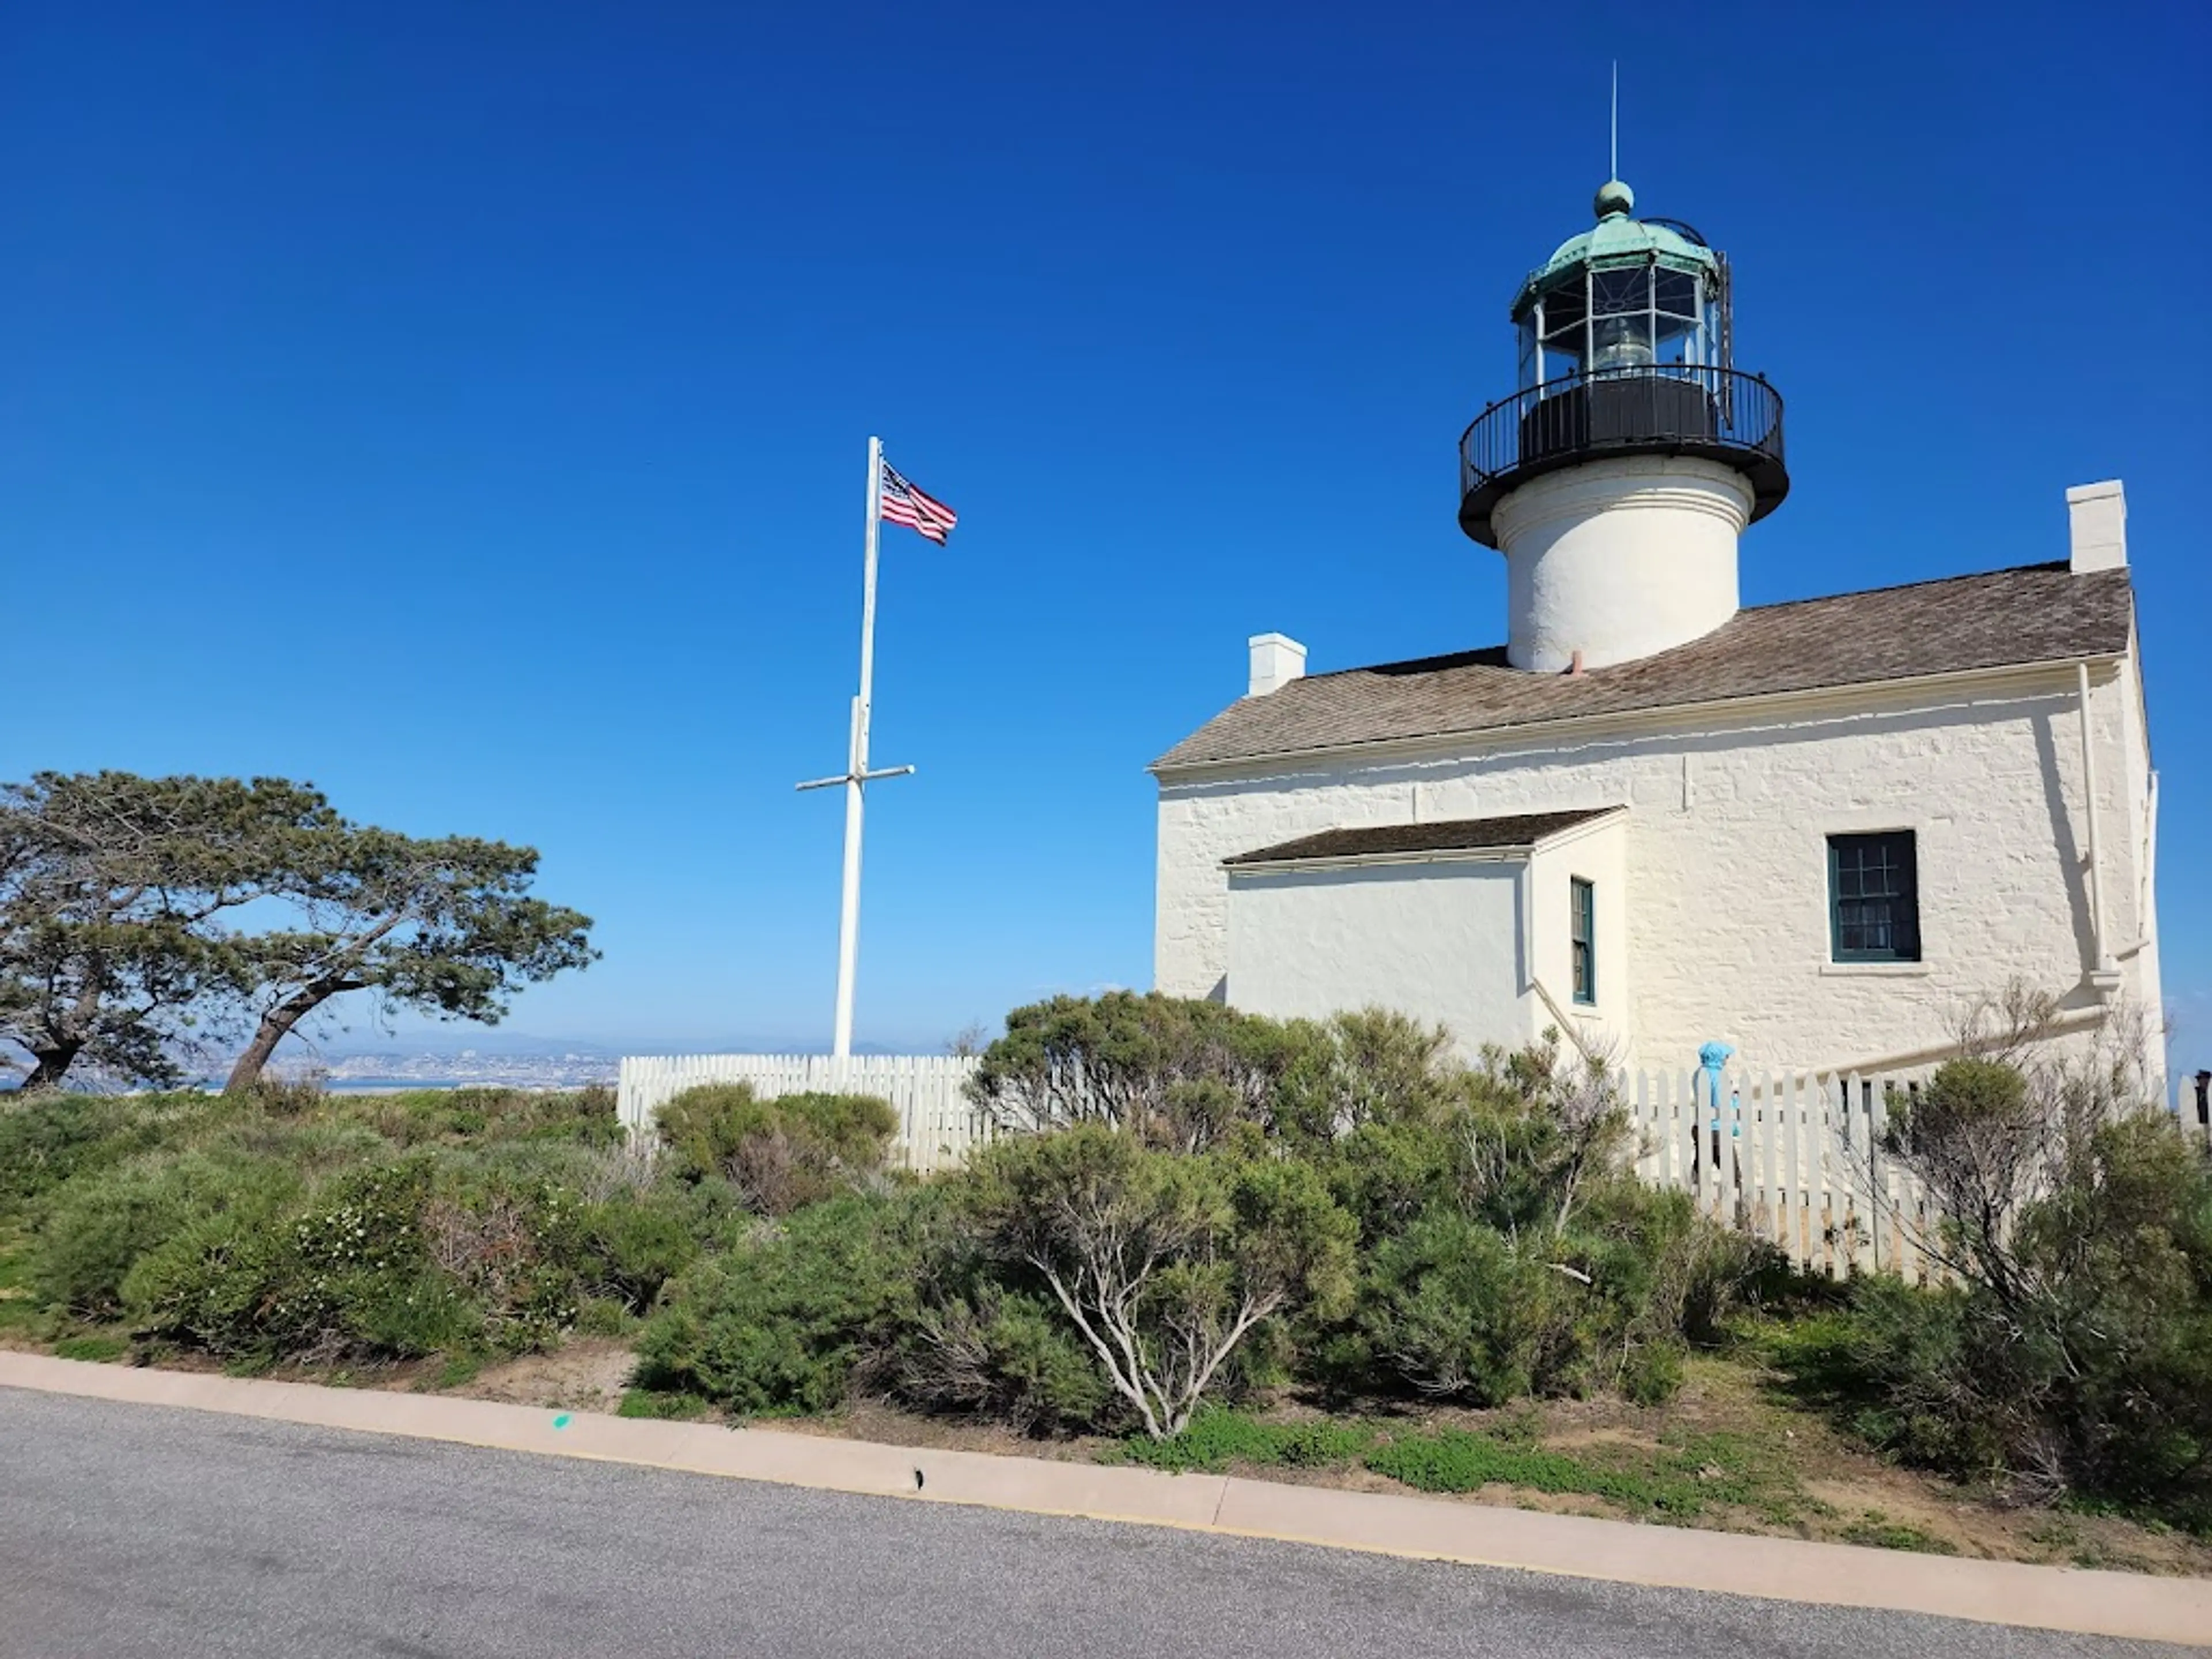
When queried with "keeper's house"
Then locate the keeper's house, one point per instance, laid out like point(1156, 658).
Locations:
point(1652, 819)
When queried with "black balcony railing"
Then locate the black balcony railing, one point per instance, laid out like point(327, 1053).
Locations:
point(1669, 409)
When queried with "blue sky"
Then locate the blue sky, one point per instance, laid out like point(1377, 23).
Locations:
point(464, 407)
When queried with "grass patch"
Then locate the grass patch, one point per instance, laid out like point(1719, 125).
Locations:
point(1878, 1531)
point(1681, 1479)
point(20, 1307)
point(1217, 1438)
point(1685, 1476)
point(656, 1403)
point(98, 1348)
point(458, 1367)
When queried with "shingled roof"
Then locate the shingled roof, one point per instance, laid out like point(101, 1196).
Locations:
point(2036, 613)
point(1516, 832)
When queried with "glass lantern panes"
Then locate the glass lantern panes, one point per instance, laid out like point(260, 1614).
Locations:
point(1615, 320)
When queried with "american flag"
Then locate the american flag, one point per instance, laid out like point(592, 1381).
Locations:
point(904, 504)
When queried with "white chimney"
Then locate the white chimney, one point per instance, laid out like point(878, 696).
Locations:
point(1277, 660)
point(2099, 516)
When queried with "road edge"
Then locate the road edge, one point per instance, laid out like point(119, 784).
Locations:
point(2075, 1601)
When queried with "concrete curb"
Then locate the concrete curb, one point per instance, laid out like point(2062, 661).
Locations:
point(1777, 1569)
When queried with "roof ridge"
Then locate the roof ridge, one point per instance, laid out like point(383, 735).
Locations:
point(1461, 658)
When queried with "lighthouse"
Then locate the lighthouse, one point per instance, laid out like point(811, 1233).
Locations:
point(1619, 477)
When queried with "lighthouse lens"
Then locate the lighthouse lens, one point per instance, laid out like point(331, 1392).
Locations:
point(1620, 342)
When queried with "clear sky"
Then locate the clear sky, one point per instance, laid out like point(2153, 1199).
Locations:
point(464, 407)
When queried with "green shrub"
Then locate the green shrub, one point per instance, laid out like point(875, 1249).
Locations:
point(1165, 1262)
point(1453, 1308)
point(1652, 1373)
point(47, 1139)
point(344, 1277)
point(999, 1353)
point(1175, 1072)
point(476, 1116)
point(98, 1225)
point(635, 1243)
point(512, 1242)
point(2075, 1353)
point(783, 1154)
point(386, 1261)
point(781, 1326)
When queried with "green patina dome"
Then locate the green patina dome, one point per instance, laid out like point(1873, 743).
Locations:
point(1616, 239)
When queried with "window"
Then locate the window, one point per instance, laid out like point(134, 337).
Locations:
point(1873, 898)
point(1583, 931)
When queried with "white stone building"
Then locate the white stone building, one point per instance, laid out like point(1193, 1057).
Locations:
point(1814, 831)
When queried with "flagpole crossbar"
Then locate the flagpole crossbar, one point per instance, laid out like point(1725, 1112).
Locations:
point(856, 777)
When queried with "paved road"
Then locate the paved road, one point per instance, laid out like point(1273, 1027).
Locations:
point(143, 1530)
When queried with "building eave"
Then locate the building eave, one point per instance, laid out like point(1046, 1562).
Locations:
point(1659, 716)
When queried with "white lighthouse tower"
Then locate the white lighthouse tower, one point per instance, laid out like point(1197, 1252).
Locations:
point(1618, 479)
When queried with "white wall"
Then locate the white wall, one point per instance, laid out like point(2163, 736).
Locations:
point(1727, 935)
point(1598, 853)
point(1620, 559)
point(1438, 940)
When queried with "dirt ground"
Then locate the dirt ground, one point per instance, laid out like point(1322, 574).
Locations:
point(588, 1375)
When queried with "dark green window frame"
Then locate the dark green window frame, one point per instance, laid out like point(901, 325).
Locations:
point(1874, 897)
point(1582, 929)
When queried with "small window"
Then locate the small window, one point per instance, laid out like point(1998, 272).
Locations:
point(1583, 930)
point(1873, 898)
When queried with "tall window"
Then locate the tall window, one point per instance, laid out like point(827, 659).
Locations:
point(1583, 931)
point(1874, 897)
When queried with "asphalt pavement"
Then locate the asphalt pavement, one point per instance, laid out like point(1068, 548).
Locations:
point(131, 1529)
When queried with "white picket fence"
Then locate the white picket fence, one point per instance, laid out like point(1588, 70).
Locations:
point(936, 1126)
point(1792, 1158)
point(1796, 1160)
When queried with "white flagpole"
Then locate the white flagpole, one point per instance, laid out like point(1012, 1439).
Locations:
point(857, 776)
point(849, 916)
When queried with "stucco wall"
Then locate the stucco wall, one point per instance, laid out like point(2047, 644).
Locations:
point(1618, 559)
point(1437, 940)
point(1725, 860)
point(1597, 853)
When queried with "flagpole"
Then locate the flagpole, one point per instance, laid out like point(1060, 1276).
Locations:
point(848, 919)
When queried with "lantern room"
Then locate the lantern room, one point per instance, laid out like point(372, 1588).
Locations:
point(1617, 477)
point(1625, 295)
point(1626, 347)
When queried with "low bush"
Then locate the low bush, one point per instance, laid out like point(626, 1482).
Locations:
point(990, 1352)
point(637, 1243)
point(346, 1276)
point(96, 1226)
point(779, 1326)
point(2073, 1353)
point(1454, 1309)
point(45, 1139)
point(475, 1116)
point(783, 1153)
point(1165, 1262)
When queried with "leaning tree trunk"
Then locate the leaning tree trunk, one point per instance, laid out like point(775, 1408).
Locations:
point(275, 1025)
point(48, 1066)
